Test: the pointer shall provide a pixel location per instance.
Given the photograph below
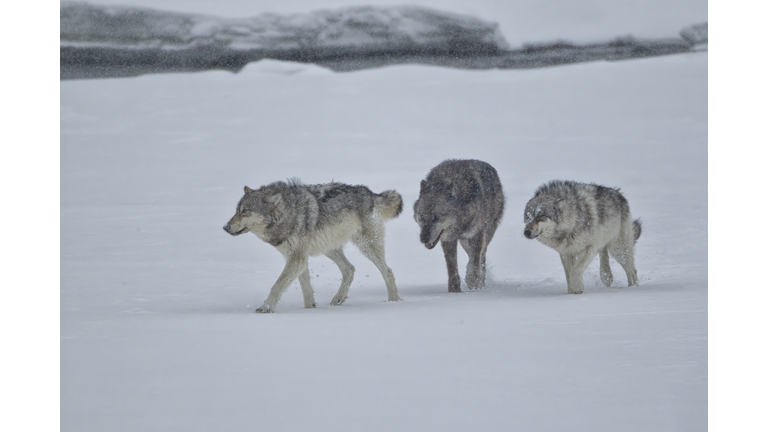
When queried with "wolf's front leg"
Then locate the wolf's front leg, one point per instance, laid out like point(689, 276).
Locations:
point(293, 267)
point(449, 250)
point(605, 268)
point(306, 287)
point(579, 263)
point(475, 249)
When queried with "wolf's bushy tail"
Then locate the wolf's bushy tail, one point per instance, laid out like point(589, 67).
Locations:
point(637, 227)
point(389, 204)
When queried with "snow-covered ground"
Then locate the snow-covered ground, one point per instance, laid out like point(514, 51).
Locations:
point(157, 329)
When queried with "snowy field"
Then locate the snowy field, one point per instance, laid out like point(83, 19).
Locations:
point(157, 329)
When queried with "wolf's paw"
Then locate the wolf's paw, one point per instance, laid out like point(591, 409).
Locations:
point(633, 280)
point(454, 284)
point(264, 309)
point(313, 305)
point(394, 299)
point(454, 287)
point(338, 301)
point(606, 277)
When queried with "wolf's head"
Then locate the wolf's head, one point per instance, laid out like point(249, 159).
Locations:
point(435, 212)
point(255, 212)
point(541, 217)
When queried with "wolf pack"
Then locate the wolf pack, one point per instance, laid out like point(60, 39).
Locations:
point(460, 202)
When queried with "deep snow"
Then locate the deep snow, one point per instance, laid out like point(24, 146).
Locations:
point(156, 325)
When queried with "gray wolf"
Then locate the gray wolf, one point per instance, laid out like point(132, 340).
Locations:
point(460, 201)
point(579, 221)
point(307, 220)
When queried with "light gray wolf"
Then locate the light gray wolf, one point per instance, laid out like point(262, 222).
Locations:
point(307, 220)
point(579, 221)
point(460, 201)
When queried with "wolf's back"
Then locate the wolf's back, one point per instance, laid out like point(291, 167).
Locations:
point(389, 204)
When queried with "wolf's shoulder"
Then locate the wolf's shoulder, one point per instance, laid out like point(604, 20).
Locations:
point(559, 188)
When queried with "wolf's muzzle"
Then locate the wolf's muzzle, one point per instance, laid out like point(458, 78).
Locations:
point(228, 229)
point(529, 234)
point(434, 243)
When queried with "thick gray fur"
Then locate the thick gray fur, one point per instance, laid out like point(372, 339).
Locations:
point(307, 220)
point(579, 221)
point(460, 201)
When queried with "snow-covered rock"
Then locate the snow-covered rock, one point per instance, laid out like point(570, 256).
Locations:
point(99, 41)
point(695, 34)
point(340, 31)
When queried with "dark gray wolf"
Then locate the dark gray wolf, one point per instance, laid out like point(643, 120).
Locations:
point(302, 220)
point(460, 201)
point(579, 221)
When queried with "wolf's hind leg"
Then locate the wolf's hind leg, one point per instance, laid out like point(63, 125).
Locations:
point(347, 275)
point(567, 261)
point(372, 246)
point(293, 267)
point(605, 268)
point(449, 251)
point(306, 287)
point(475, 248)
point(624, 254)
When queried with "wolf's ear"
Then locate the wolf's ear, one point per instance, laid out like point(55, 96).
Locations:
point(246, 189)
point(423, 183)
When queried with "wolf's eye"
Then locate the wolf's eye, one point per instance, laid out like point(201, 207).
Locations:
point(244, 211)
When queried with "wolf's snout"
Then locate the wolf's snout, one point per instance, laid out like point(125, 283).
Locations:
point(228, 229)
point(428, 244)
point(527, 233)
point(424, 238)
